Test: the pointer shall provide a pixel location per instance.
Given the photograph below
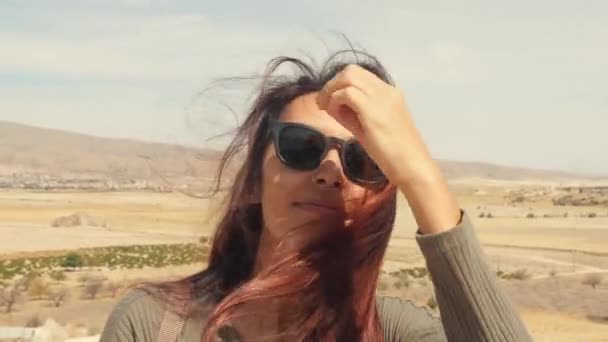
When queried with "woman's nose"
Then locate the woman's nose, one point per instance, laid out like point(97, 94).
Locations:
point(329, 173)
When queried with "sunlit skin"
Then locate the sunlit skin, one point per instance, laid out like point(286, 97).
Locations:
point(355, 103)
point(287, 194)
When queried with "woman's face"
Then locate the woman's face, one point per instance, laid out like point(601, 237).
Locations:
point(293, 198)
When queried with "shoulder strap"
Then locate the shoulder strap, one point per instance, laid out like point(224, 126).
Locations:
point(170, 327)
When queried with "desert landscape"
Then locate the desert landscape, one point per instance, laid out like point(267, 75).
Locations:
point(82, 218)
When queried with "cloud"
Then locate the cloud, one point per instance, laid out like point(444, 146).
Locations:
point(176, 46)
point(498, 73)
point(136, 3)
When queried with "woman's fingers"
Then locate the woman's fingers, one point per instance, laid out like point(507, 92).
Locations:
point(351, 76)
point(345, 105)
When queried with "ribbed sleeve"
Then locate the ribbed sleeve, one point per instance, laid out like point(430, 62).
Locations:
point(472, 305)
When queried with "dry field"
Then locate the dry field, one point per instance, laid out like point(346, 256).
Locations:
point(131, 218)
point(556, 252)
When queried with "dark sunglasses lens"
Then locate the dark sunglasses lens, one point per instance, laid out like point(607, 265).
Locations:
point(300, 148)
point(359, 165)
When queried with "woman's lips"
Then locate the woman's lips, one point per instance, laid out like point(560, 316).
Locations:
point(318, 207)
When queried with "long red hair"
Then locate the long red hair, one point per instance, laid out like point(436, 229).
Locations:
point(330, 284)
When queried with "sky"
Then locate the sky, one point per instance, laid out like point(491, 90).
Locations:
point(520, 83)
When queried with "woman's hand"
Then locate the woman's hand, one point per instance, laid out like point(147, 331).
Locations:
point(375, 112)
point(377, 115)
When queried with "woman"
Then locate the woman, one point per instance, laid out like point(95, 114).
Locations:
point(297, 254)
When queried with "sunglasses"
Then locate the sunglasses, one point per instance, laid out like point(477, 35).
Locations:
point(302, 147)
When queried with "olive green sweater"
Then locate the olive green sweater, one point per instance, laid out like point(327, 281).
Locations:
point(472, 305)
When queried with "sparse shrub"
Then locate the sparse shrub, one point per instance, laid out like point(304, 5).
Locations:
point(530, 215)
point(423, 272)
point(93, 287)
point(520, 274)
point(9, 297)
point(406, 283)
point(93, 331)
point(34, 321)
point(33, 274)
point(38, 288)
point(489, 215)
point(72, 260)
point(432, 303)
point(21, 283)
point(593, 280)
point(499, 274)
point(57, 275)
point(591, 215)
point(553, 273)
point(59, 296)
point(482, 215)
point(404, 277)
point(25, 281)
point(519, 199)
point(416, 272)
point(110, 257)
point(566, 215)
point(113, 287)
point(382, 285)
point(83, 278)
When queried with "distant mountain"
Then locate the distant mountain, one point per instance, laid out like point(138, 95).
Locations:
point(40, 151)
point(55, 153)
point(477, 170)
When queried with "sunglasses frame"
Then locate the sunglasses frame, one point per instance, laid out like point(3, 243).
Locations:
point(277, 126)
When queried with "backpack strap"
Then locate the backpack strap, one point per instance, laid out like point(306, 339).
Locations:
point(170, 327)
